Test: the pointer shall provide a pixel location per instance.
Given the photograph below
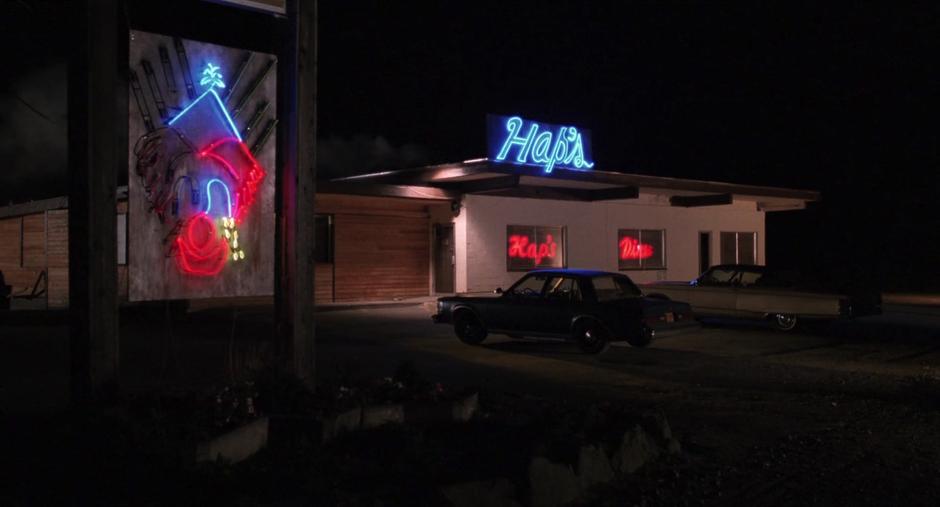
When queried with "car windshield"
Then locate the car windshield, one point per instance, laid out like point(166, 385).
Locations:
point(529, 287)
point(609, 288)
point(717, 276)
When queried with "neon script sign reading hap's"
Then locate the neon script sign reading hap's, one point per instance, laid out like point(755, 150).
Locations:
point(520, 247)
point(518, 141)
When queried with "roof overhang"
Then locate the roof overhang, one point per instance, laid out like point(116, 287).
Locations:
point(482, 176)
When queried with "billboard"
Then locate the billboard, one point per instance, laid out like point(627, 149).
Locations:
point(202, 129)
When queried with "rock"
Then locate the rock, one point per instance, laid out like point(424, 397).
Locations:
point(236, 445)
point(551, 484)
point(673, 447)
point(378, 415)
point(593, 467)
point(494, 493)
point(349, 420)
point(636, 449)
point(464, 409)
point(657, 425)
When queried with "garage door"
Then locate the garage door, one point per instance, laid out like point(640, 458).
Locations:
point(380, 257)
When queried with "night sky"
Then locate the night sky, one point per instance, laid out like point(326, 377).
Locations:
point(805, 95)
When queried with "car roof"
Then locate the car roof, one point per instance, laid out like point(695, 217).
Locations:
point(739, 267)
point(574, 272)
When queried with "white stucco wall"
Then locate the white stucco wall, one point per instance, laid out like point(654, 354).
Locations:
point(480, 233)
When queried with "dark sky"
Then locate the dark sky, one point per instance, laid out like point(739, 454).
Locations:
point(834, 97)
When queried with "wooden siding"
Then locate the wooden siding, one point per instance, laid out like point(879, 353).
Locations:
point(381, 256)
point(10, 245)
point(57, 257)
point(323, 283)
point(34, 241)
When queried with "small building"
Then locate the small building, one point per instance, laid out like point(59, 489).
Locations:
point(466, 227)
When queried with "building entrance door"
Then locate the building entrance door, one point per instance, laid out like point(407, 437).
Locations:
point(704, 251)
point(444, 258)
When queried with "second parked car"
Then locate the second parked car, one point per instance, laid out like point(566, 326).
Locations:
point(592, 308)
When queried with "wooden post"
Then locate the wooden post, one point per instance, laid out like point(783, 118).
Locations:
point(296, 180)
point(97, 134)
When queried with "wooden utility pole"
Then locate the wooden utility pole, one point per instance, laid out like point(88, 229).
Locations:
point(296, 186)
point(97, 137)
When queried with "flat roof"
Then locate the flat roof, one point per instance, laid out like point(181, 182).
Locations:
point(483, 176)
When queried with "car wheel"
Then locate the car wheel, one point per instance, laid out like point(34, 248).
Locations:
point(641, 338)
point(785, 321)
point(469, 328)
point(592, 338)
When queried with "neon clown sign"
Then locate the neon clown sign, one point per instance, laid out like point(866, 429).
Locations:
point(524, 142)
point(201, 147)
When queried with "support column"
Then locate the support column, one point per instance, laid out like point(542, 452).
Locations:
point(296, 180)
point(97, 134)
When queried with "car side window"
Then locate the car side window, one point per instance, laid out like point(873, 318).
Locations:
point(718, 277)
point(749, 278)
point(529, 287)
point(561, 288)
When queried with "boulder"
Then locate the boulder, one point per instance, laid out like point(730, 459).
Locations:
point(343, 422)
point(551, 484)
point(378, 415)
point(464, 409)
point(593, 467)
point(492, 493)
point(236, 445)
point(636, 449)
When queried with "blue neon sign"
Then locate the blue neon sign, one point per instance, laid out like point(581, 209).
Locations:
point(514, 140)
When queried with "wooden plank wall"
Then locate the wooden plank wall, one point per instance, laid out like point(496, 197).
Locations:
point(16, 242)
point(323, 283)
point(57, 257)
point(381, 247)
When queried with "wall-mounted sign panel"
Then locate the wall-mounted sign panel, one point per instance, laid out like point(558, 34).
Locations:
point(513, 140)
point(534, 246)
point(641, 249)
point(201, 169)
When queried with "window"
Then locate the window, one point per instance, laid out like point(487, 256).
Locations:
point(609, 288)
point(739, 248)
point(534, 246)
point(641, 249)
point(529, 287)
point(563, 288)
point(323, 240)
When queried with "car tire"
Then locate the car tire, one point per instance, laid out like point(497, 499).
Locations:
point(641, 338)
point(592, 337)
point(784, 321)
point(469, 328)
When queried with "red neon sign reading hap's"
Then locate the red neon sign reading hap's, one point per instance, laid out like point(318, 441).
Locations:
point(521, 248)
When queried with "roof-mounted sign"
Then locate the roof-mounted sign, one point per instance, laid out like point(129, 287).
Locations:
point(514, 140)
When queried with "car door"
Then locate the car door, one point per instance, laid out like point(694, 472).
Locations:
point(714, 292)
point(520, 306)
point(561, 300)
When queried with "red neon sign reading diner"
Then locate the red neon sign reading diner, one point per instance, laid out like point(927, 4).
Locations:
point(520, 247)
point(631, 248)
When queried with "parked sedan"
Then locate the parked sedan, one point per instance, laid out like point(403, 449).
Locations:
point(758, 292)
point(592, 308)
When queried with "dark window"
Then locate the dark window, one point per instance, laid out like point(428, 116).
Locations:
point(641, 249)
point(739, 248)
point(534, 246)
point(609, 288)
point(529, 287)
point(563, 288)
point(323, 242)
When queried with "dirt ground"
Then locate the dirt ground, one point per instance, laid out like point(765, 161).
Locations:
point(842, 414)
